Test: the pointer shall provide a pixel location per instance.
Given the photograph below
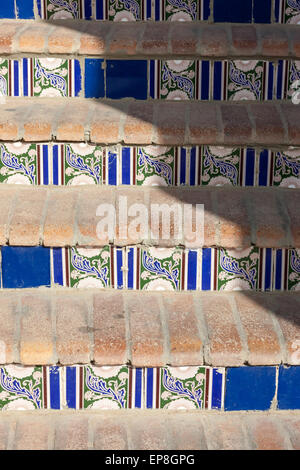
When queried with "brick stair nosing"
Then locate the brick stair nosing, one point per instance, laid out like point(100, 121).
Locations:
point(159, 122)
point(148, 39)
point(234, 217)
point(149, 430)
point(149, 329)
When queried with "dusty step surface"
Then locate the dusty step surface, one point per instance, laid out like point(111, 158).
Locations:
point(149, 329)
point(150, 430)
point(69, 216)
point(150, 122)
point(167, 40)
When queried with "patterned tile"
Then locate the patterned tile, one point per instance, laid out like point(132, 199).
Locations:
point(90, 267)
point(82, 164)
point(56, 77)
point(290, 11)
point(64, 9)
point(238, 269)
point(18, 163)
point(161, 268)
point(233, 11)
point(21, 388)
point(178, 10)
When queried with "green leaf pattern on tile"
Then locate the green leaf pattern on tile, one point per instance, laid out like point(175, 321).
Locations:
point(161, 269)
point(104, 389)
point(245, 80)
point(90, 267)
point(220, 166)
point(18, 163)
point(238, 269)
point(82, 167)
point(294, 270)
point(155, 166)
point(182, 387)
point(178, 79)
point(20, 387)
point(287, 169)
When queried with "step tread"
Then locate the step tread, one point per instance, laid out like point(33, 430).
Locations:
point(67, 216)
point(150, 430)
point(148, 39)
point(161, 122)
point(149, 329)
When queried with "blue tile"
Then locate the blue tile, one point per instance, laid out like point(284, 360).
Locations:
point(289, 388)
point(7, 9)
point(249, 388)
point(262, 11)
point(25, 9)
point(233, 11)
point(126, 79)
point(25, 267)
point(94, 78)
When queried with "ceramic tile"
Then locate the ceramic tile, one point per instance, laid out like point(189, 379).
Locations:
point(94, 78)
point(238, 269)
point(82, 164)
point(245, 80)
point(249, 388)
point(24, 267)
point(90, 267)
point(293, 77)
point(233, 11)
point(155, 166)
point(288, 388)
point(221, 166)
point(126, 79)
point(286, 169)
point(294, 269)
point(262, 11)
point(7, 9)
point(115, 10)
point(64, 9)
point(184, 388)
point(56, 77)
point(18, 163)
point(160, 268)
point(21, 388)
point(178, 10)
point(25, 9)
point(291, 11)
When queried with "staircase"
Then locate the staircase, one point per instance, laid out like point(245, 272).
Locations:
point(127, 339)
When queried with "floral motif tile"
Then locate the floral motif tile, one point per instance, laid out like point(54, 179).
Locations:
point(161, 268)
point(83, 164)
point(106, 387)
point(155, 165)
point(52, 77)
point(291, 11)
point(238, 269)
point(220, 166)
point(293, 78)
point(21, 388)
point(178, 10)
point(65, 9)
point(294, 269)
point(3, 77)
point(90, 267)
point(287, 169)
point(18, 163)
point(182, 387)
point(178, 79)
point(245, 80)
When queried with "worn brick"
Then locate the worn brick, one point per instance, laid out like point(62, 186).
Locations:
point(237, 127)
point(72, 433)
point(224, 343)
point(27, 217)
point(71, 126)
point(244, 40)
point(8, 197)
point(184, 40)
point(33, 39)
point(63, 40)
point(149, 434)
point(147, 337)
point(36, 337)
point(214, 41)
point(225, 432)
point(138, 127)
point(38, 436)
point(274, 42)
point(94, 40)
point(91, 211)
point(109, 329)
point(203, 124)
point(187, 433)
point(106, 123)
point(7, 33)
point(262, 339)
point(290, 114)
point(109, 434)
point(291, 423)
point(268, 219)
point(267, 433)
point(38, 124)
point(171, 123)
point(5, 426)
point(124, 39)
point(268, 125)
point(286, 308)
point(295, 40)
point(127, 231)
point(60, 217)
point(155, 39)
point(72, 329)
point(184, 339)
point(291, 201)
point(8, 314)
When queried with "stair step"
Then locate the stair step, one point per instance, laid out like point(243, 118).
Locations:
point(150, 122)
point(160, 39)
point(149, 329)
point(170, 430)
point(67, 216)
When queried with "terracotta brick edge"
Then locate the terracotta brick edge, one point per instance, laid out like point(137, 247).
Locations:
point(145, 39)
point(67, 216)
point(260, 328)
point(149, 430)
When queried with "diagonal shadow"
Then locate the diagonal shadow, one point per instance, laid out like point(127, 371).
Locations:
point(264, 300)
